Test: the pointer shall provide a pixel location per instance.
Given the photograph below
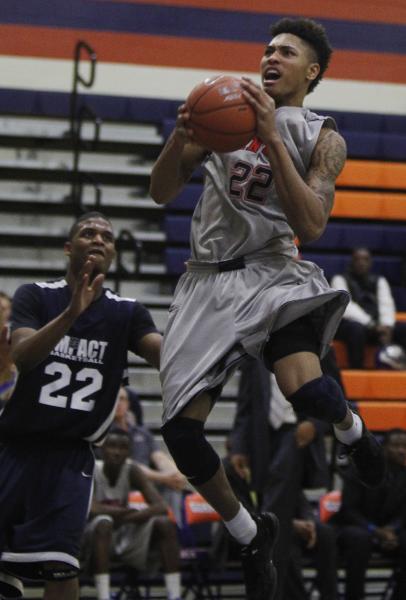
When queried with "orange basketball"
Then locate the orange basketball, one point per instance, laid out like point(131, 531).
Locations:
point(221, 118)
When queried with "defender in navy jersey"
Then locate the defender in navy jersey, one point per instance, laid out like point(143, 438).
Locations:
point(245, 292)
point(69, 340)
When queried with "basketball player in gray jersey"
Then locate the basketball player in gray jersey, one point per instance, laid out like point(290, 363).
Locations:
point(245, 292)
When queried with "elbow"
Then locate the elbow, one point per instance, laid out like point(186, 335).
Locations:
point(156, 195)
point(158, 192)
point(308, 235)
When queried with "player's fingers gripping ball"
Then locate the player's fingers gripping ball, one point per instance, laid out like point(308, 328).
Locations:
point(221, 118)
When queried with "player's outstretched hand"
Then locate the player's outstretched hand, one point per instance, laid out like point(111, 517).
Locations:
point(86, 289)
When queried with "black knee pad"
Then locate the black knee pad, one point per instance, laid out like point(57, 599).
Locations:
point(192, 453)
point(320, 398)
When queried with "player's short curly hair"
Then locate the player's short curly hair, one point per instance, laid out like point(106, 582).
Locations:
point(94, 214)
point(314, 34)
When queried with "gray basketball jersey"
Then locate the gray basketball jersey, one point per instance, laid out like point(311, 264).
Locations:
point(117, 494)
point(239, 212)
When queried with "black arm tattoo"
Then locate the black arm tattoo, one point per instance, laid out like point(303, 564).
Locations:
point(327, 163)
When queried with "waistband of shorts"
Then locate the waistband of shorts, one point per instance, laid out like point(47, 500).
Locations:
point(233, 264)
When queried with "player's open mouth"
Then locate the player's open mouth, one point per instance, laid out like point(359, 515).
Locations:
point(96, 252)
point(271, 75)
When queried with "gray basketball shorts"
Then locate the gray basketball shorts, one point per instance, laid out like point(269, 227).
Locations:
point(216, 318)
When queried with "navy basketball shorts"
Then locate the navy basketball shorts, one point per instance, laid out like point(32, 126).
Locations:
point(45, 493)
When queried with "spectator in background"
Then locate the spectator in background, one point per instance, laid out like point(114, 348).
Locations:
point(157, 465)
point(374, 519)
point(282, 452)
point(8, 371)
point(120, 535)
point(310, 536)
point(5, 308)
point(370, 317)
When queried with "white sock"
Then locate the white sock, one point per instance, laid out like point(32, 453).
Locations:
point(351, 435)
point(172, 583)
point(243, 527)
point(102, 585)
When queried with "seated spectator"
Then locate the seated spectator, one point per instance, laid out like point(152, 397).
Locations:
point(155, 464)
point(309, 535)
point(283, 452)
point(373, 519)
point(318, 540)
point(8, 371)
point(119, 535)
point(370, 317)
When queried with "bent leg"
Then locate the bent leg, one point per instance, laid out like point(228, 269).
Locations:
point(196, 459)
point(356, 546)
point(100, 546)
point(165, 537)
point(325, 557)
point(291, 353)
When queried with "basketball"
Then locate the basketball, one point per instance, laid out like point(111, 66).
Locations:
point(220, 117)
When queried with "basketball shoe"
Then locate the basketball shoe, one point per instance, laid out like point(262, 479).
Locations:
point(259, 571)
point(10, 586)
point(367, 458)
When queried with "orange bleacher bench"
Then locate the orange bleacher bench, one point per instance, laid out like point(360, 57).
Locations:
point(198, 510)
point(375, 385)
point(382, 416)
point(380, 397)
point(369, 205)
point(386, 180)
point(373, 174)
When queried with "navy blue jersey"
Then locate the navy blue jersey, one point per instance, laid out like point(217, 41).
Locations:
point(72, 393)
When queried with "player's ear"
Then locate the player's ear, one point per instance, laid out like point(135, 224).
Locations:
point(67, 248)
point(312, 71)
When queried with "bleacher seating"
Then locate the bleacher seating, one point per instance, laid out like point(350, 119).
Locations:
point(35, 162)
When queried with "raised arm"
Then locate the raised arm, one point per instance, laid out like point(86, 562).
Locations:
point(177, 161)
point(307, 202)
point(31, 346)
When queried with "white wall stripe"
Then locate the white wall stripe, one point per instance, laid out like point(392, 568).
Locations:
point(170, 83)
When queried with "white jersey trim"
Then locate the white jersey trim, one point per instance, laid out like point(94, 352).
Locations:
point(112, 296)
point(53, 285)
point(31, 557)
point(97, 436)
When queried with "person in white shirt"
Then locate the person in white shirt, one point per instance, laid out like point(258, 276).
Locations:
point(370, 316)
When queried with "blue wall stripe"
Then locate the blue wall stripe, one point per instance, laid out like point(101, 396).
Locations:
point(192, 22)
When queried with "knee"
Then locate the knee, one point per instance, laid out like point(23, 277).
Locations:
point(192, 453)
point(321, 398)
point(164, 528)
point(103, 529)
